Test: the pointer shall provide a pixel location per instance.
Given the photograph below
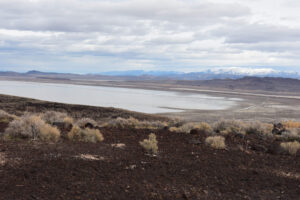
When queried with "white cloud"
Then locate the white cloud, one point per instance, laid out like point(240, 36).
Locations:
point(90, 35)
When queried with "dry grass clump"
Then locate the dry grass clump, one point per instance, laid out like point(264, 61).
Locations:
point(291, 124)
point(290, 147)
point(82, 122)
point(217, 142)
point(291, 133)
point(203, 127)
point(123, 123)
point(49, 133)
point(85, 135)
point(151, 125)
point(185, 128)
point(226, 127)
point(6, 117)
point(134, 123)
point(56, 117)
point(150, 145)
point(260, 128)
point(31, 127)
point(68, 120)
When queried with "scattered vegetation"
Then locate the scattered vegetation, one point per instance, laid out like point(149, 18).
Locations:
point(202, 127)
point(6, 117)
point(31, 127)
point(150, 145)
point(290, 147)
point(134, 123)
point(42, 127)
point(53, 117)
point(226, 127)
point(85, 135)
point(291, 134)
point(260, 128)
point(84, 121)
point(217, 142)
point(291, 124)
point(185, 128)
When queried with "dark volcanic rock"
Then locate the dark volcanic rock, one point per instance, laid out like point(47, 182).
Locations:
point(278, 129)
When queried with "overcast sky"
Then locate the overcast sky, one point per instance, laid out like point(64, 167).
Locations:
point(86, 36)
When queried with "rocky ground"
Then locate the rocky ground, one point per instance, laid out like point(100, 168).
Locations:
point(251, 167)
point(119, 168)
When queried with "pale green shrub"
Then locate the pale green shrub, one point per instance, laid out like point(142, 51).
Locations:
point(185, 128)
point(52, 117)
point(134, 123)
point(85, 135)
point(150, 144)
point(31, 127)
point(226, 127)
point(203, 127)
point(6, 117)
point(290, 147)
point(291, 133)
point(260, 128)
point(217, 142)
point(123, 123)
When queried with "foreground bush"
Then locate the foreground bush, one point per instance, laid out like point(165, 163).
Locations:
point(290, 147)
point(31, 127)
point(85, 135)
point(150, 145)
point(217, 142)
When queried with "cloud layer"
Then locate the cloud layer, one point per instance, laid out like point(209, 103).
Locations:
point(186, 35)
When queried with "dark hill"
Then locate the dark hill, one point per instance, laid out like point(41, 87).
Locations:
point(250, 83)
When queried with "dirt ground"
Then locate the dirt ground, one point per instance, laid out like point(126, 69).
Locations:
point(185, 168)
point(250, 167)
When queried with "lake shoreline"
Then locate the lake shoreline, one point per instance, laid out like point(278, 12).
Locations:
point(261, 108)
point(139, 100)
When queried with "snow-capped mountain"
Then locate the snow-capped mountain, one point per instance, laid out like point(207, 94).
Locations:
point(215, 73)
point(245, 71)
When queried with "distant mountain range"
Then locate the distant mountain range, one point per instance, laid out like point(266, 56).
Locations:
point(221, 73)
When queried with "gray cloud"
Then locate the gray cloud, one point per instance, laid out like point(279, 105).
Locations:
point(110, 16)
point(91, 35)
point(255, 33)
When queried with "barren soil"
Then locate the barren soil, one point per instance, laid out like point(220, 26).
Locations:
point(185, 168)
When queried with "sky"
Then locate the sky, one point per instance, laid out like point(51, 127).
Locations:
point(91, 36)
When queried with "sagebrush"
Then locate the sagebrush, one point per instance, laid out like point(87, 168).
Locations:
point(85, 135)
point(217, 142)
point(290, 147)
point(150, 144)
point(31, 127)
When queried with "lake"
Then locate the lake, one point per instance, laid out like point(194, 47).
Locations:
point(140, 100)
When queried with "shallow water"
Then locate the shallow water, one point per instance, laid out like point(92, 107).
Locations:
point(147, 101)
